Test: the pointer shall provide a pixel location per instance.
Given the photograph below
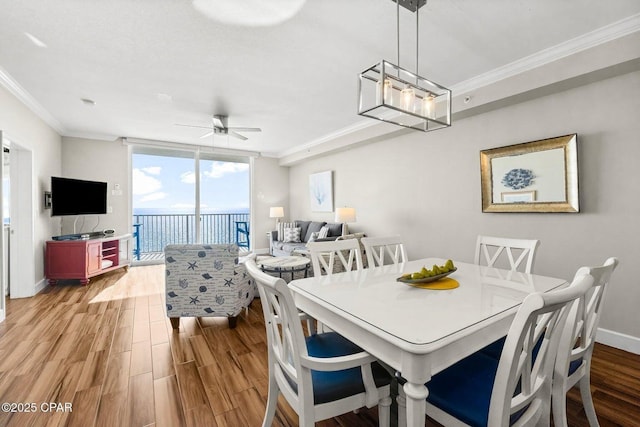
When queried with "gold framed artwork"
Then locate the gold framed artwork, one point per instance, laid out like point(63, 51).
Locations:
point(537, 176)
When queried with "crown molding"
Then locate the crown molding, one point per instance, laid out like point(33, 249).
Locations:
point(29, 101)
point(584, 42)
point(358, 126)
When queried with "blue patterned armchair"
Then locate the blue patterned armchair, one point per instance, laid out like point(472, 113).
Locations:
point(205, 281)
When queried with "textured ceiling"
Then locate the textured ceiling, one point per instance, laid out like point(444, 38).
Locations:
point(296, 80)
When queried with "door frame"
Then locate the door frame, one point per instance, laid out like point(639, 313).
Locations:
point(21, 231)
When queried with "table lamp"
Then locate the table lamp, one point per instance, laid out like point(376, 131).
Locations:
point(276, 212)
point(345, 215)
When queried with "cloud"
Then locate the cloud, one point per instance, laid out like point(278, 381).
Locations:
point(218, 169)
point(144, 184)
point(153, 196)
point(188, 177)
point(153, 170)
point(184, 206)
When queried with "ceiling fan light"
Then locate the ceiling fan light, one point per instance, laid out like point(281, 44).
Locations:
point(250, 13)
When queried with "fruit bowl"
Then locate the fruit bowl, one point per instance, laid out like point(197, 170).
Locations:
point(426, 279)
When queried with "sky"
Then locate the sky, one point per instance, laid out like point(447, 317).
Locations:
point(168, 183)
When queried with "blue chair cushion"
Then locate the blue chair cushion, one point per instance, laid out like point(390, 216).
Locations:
point(464, 389)
point(334, 385)
point(495, 348)
point(573, 366)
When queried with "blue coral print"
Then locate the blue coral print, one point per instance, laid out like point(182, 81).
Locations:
point(518, 179)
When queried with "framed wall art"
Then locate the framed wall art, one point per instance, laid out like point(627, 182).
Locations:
point(537, 176)
point(321, 191)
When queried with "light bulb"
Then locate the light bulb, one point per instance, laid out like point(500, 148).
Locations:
point(407, 97)
point(429, 106)
point(385, 93)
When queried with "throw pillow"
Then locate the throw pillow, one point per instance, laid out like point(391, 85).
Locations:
point(324, 231)
point(292, 235)
point(313, 227)
point(314, 236)
point(281, 226)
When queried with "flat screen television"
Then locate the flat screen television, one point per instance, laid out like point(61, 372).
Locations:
point(77, 197)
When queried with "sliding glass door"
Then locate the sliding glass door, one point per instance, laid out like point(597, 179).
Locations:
point(184, 197)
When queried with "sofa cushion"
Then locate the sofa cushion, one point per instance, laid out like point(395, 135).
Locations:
point(304, 226)
point(335, 229)
point(314, 227)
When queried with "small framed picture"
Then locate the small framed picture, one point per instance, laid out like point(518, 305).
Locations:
point(518, 196)
point(321, 191)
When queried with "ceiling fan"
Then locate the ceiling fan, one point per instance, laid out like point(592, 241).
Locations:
point(220, 127)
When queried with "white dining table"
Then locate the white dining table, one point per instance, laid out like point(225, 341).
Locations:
point(419, 332)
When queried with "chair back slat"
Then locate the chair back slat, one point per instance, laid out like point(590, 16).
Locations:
point(379, 250)
point(326, 257)
point(513, 254)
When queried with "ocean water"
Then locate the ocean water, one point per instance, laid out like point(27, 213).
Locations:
point(160, 227)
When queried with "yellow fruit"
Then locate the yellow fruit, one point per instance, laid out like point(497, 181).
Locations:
point(444, 269)
point(449, 264)
point(406, 276)
point(436, 270)
point(415, 276)
point(425, 272)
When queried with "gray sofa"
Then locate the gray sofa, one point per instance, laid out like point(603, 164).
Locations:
point(280, 248)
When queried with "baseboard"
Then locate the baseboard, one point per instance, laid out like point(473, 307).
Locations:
point(618, 340)
point(40, 286)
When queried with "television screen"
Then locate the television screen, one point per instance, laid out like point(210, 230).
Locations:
point(77, 197)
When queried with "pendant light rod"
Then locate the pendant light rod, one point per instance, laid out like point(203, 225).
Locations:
point(417, 39)
point(398, 29)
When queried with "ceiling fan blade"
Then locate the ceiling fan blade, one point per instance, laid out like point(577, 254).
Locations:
point(192, 126)
point(244, 129)
point(207, 134)
point(237, 135)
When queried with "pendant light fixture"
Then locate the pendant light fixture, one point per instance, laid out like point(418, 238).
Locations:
point(393, 94)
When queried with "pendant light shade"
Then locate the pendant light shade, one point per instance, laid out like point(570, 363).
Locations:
point(393, 94)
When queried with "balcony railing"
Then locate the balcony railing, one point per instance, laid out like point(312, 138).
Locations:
point(154, 232)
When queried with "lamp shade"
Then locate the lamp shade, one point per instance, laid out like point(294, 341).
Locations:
point(345, 215)
point(276, 212)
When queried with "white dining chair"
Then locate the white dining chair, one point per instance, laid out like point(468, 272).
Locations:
point(506, 252)
point(381, 250)
point(516, 389)
point(573, 364)
point(338, 255)
point(320, 376)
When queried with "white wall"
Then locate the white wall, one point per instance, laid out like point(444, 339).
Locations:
point(426, 187)
point(99, 161)
point(23, 127)
point(269, 187)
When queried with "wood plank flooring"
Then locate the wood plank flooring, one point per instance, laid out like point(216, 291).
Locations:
point(109, 350)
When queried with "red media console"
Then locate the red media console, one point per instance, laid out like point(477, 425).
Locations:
point(85, 258)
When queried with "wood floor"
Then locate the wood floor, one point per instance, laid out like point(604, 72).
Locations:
point(109, 351)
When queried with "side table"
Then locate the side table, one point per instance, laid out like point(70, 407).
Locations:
point(284, 264)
